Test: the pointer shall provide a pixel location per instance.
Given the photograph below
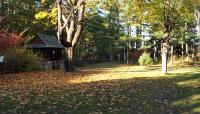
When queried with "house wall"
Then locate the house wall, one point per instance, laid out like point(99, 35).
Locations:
point(51, 65)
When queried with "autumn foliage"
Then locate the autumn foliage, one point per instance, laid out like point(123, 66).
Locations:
point(135, 54)
point(8, 40)
point(115, 90)
point(21, 60)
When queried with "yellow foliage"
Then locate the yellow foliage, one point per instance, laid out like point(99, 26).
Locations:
point(43, 1)
point(41, 15)
point(54, 11)
point(51, 16)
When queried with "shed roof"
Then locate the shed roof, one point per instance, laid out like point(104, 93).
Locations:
point(48, 41)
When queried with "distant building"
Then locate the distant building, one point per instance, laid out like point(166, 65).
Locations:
point(49, 49)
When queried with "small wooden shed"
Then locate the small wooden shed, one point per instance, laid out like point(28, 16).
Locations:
point(49, 48)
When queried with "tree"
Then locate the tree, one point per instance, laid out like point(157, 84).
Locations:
point(70, 17)
point(145, 59)
point(100, 31)
point(17, 15)
point(8, 40)
point(157, 38)
point(111, 10)
point(45, 17)
point(197, 17)
point(165, 15)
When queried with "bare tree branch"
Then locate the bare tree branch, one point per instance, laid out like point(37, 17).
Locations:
point(66, 20)
point(79, 26)
point(59, 33)
point(24, 31)
point(2, 18)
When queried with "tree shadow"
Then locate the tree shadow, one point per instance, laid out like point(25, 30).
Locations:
point(158, 95)
point(187, 98)
point(176, 95)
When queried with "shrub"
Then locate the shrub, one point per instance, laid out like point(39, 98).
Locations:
point(8, 40)
point(145, 59)
point(21, 60)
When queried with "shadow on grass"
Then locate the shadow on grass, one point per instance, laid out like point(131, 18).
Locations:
point(158, 95)
point(187, 98)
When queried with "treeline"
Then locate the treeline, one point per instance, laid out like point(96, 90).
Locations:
point(113, 30)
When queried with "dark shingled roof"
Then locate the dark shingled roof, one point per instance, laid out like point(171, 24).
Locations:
point(48, 40)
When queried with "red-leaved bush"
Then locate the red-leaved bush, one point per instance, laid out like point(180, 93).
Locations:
point(135, 54)
point(8, 40)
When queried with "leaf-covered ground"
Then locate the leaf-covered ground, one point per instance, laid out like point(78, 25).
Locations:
point(118, 90)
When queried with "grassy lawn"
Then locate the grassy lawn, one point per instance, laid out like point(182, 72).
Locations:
point(115, 89)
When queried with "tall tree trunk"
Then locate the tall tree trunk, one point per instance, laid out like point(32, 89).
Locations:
point(124, 54)
point(165, 47)
point(164, 60)
point(128, 44)
point(187, 51)
point(172, 52)
point(78, 51)
point(135, 44)
point(73, 29)
point(111, 53)
point(127, 54)
point(182, 53)
point(155, 51)
point(69, 58)
point(167, 29)
point(118, 56)
point(197, 16)
point(193, 53)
